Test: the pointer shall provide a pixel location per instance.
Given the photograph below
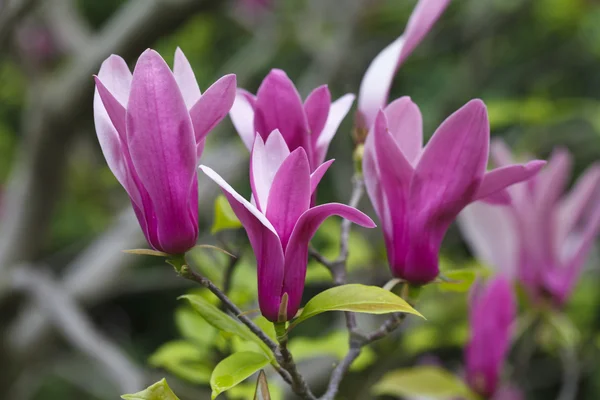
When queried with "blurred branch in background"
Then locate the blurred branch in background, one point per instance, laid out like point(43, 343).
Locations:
point(11, 12)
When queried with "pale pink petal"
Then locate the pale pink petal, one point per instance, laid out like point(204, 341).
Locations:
point(289, 196)
point(186, 80)
point(316, 107)
point(337, 112)
point(405, 123)
point(492, 236)
point(265, 160)
point(242, 117)
point(213, 106)
point(553, 180)
point(375, 86)
point(116, 76)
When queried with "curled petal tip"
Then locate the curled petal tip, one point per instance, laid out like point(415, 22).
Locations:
point(535, 165)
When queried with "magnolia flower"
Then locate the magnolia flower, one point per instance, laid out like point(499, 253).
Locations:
point(282, 222)
point(151, 126)
point(376, 83)
point(417, 192)
point(540, 239)
point(277, 105)
point(491, 314)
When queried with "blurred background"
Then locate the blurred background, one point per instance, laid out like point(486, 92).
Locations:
point(80, 319)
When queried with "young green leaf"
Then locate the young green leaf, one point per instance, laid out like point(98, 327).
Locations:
point(224, 322)
point(459, 280)
point(159, 391)
point(184, 359)
point(234, 369)
point(355, 298)
point(262, 387)
point(224, 217)
point(424, 381)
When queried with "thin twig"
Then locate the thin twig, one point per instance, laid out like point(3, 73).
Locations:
point(299, 385)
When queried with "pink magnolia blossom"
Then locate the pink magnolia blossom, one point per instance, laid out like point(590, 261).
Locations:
point(281, 222)
point(491, 314)
point(151, 126)
point(540, 238)
point(376, 83)
point(418, 191)
point(278, 105)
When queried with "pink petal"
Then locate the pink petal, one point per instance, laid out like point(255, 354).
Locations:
point(552, 182)
point(452, 165)
point(242, 116)
point(317, 175)
point(491, 233)
point(213, 106)
point(265, 160)
point(116, 76)
point(395, 174)
point(337, 112)
point(289, 196)
point(266, 245)
point(186, 80)
point(377, 81)
point(163, 150)
point(498, 179)
point(278, 106)
point(115, 110)
point(576, 202)
point(372, 178)
point(500, 153)
point(296, 254)
point(405, 123)
point(316, 107)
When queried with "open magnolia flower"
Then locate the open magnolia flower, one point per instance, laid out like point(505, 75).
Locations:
point(282, 222)
point(540, 238)
point(417, 192)
point(278, 105)
point(151, 126)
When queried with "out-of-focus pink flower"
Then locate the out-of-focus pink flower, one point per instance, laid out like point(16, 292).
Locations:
point(151, 126)
point(492, 312)
point(541, 238)
point(277, 105)
point(280, 221)
point(376, 83)
point(417, 192)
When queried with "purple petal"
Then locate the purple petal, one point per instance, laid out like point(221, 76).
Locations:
point(163, 150)
point(115, 110)
point(395, 173)
point(317, 175)
point(316, 107)
point(377, 81)
point(552, 182)
point(452, 165)
point(296, 254)
point(289, 196)
point(278, 106)
point(491, 316)
point(266, 245)
point(500, 153)
point(497, 180)
point(405, 123)
point(492, 235)
point(242, 116)
point(213, 106)
point(337, 113)
point(186, 80)
point(265, 160)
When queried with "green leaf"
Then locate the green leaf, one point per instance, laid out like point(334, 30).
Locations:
point(424, 381)
point(334, 345)
point(459, 280)
point(224, 217)
point(193, 327)
point(224, 322)
point(234, 369)
point(159, 391)
point(184, 359)
point(355, 298)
